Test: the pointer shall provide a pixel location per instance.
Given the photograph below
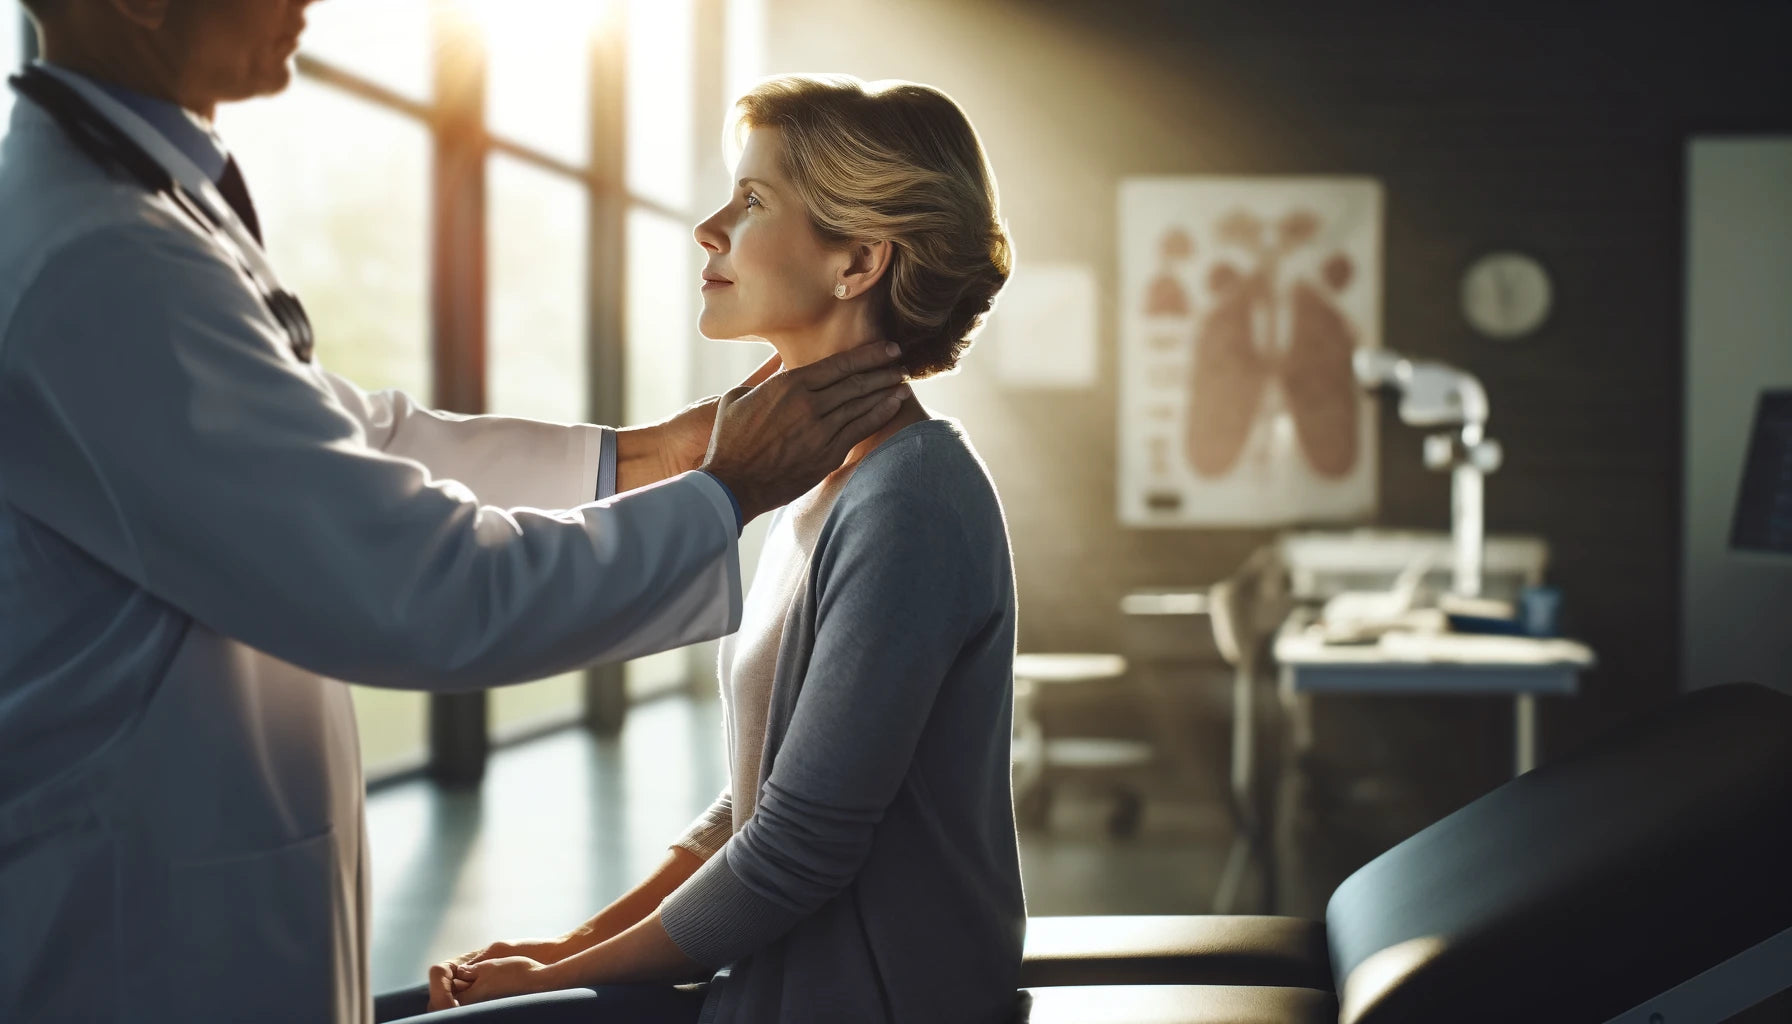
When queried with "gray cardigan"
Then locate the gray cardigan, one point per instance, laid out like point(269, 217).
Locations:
point(878, 879)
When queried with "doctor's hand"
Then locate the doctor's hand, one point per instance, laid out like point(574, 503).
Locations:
point(647, 455)
point(494, 979)
point(683, 440)
point(779, 434)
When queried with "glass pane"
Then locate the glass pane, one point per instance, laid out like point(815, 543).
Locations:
point(536, 352)
point(657, 674)
point(346, 228)
point(346, 224)
point(662, 289)
point(663, 277)
point(660, 97)
point(536, 349)
point(384, 41)
point(537, 88)
point(518, 709)
point(744, 59)
point(394, 726)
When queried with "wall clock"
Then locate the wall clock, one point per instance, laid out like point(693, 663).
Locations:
point(1506, 295)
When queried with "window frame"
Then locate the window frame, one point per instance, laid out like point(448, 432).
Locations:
point(459, 740)
point(461, 144)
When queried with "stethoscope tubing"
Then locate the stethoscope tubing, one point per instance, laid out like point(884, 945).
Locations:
point(109, 145)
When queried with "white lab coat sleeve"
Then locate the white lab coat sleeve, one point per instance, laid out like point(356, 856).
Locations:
point(505, 460)
point(151, 413)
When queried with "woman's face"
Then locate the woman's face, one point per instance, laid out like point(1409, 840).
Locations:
point(770, 274)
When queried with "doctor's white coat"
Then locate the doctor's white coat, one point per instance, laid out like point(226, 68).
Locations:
point(197, 534)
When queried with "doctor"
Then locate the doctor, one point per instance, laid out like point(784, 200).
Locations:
point(200, 527)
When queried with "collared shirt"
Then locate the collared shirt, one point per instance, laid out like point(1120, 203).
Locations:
point(185, 130)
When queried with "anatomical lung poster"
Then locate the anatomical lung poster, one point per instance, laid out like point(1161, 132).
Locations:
point(1241, 302)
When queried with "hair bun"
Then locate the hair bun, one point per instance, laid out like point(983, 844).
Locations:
point(896, 161)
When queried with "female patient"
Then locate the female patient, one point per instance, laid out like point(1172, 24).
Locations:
point(861, 866)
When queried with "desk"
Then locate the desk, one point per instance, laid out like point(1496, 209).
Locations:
point(1522, 667)
point(1321, 563)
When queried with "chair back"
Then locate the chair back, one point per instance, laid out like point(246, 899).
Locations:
point(1579, 891)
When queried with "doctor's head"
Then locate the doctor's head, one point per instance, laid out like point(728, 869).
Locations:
point(197, 53)
point(858, 212)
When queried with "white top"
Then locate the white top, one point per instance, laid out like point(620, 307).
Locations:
point(748, 660)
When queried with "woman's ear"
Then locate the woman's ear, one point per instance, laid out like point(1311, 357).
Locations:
point(866, 264)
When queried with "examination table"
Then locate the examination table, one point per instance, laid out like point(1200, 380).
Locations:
point(1646, 878)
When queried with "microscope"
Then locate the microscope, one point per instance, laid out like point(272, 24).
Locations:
point(1436, 395)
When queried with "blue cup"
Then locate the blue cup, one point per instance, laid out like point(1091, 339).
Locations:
point(1540, 611)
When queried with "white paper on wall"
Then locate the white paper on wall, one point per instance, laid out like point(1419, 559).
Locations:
point(1242, 301)
point(1044, 327)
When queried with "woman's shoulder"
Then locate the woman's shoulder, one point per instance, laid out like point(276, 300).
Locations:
point(920, 504)
point(928, 469)
point(932, 460)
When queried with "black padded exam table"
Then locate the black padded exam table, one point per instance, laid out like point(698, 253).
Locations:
point(1646, 879)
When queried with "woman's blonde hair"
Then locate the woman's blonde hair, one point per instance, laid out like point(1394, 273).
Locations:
point(898, 161)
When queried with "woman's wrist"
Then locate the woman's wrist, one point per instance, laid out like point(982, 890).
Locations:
point(575, 970)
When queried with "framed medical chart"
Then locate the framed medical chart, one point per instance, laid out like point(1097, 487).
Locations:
point(1241, 303)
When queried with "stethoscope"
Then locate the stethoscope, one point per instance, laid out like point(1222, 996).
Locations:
point(112, 147)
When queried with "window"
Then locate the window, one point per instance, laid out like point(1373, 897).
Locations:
point(663, 260)
point(586, 123)
point(384, 42)
point(661, 107)
point(537, 228)
point(538, 84)
point(346, 224)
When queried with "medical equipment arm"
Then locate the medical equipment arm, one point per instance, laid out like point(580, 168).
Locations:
point(1435, 395)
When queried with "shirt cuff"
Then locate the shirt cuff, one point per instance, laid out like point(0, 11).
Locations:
point(740, 521)
point(606, 464)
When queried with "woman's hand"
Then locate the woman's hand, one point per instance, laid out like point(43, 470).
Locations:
point(441, 991)
point(483, 980)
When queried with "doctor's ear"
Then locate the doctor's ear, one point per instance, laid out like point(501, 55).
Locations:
point(149, 14)
point(866, 264)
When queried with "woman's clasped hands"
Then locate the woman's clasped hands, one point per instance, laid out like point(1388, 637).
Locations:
point(498, 970)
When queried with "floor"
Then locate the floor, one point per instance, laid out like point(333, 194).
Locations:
point(565, 823)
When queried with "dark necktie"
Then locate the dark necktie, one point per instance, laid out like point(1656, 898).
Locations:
point(236, 192)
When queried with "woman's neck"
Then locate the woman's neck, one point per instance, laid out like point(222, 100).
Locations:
point(849, 329)
point(847, 326)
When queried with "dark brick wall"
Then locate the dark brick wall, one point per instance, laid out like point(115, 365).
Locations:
point(1557, 129)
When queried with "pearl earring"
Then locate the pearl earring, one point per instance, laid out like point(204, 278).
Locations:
point(839, 291)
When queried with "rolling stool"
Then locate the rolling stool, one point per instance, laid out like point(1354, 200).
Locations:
point(1037, 754)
